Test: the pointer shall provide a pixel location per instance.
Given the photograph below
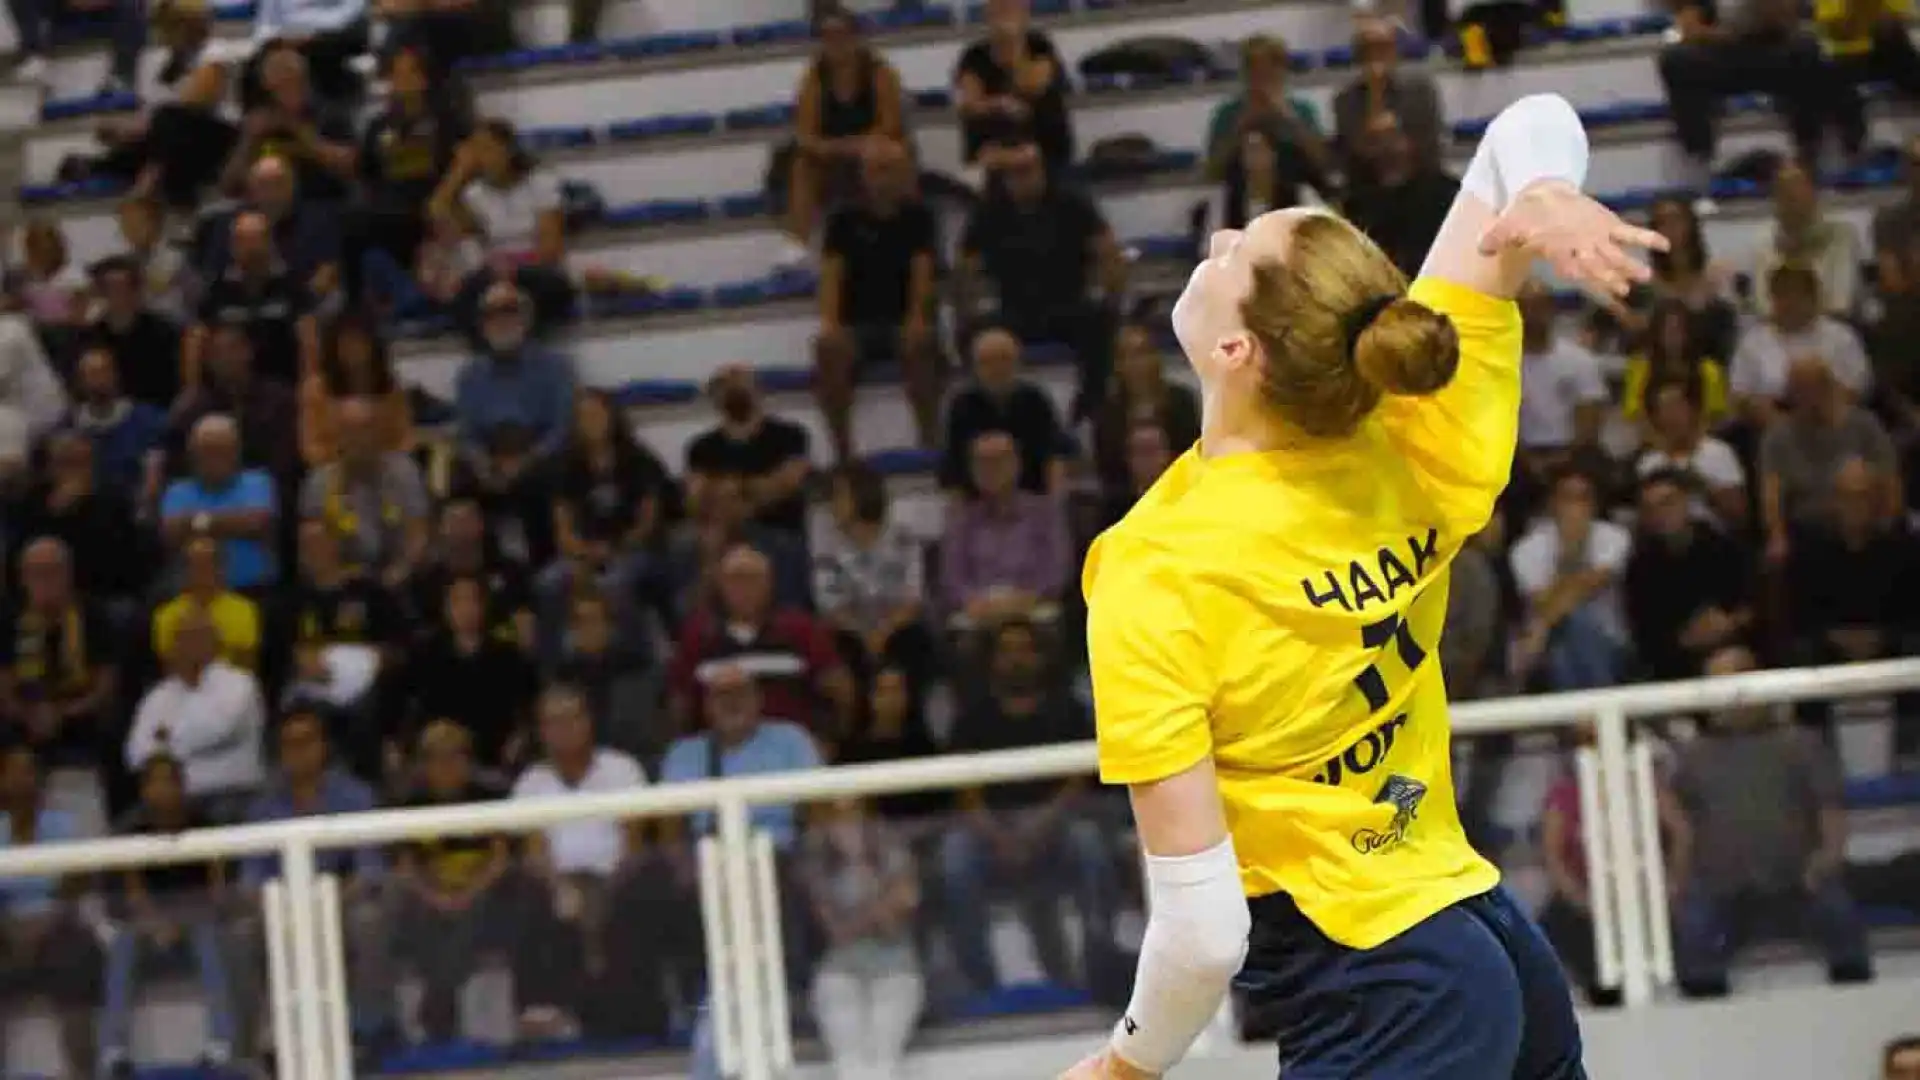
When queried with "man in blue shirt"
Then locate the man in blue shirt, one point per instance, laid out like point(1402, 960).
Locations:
point(308, 784)
point(512, 385)
point(740, 742)
point(46, 946)
point(235, 506)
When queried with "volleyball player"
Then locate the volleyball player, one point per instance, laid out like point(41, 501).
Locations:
point(1264, 635)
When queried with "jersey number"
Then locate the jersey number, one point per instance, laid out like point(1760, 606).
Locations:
point(1374, 636)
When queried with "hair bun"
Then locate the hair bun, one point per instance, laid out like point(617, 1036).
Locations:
point(1409, 349)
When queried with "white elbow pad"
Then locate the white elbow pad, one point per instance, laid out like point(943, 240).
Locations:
point(1539, 137)
point(1195, 943)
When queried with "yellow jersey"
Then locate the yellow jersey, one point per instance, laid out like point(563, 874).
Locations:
point(1846, 26)
point(235, 618)
point(1713, 389)
point(1281, 613)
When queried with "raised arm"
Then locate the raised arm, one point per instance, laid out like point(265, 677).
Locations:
point(1520, 201)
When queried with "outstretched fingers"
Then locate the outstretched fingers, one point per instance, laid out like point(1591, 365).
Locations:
point(1633, 236)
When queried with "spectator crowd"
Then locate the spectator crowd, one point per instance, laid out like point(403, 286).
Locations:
point(253, 574)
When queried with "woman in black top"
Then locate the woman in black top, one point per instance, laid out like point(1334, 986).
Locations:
point(605, 519)
point(1012, 90)
point(477, 678)
point(848, 96)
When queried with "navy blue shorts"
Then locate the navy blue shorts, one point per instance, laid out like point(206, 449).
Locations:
point(1473, 993)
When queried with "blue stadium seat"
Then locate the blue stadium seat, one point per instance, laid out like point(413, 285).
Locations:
point(656, 45)
point(90, 105)
point(760, 117)
point(642, 392)
point(658, 127)
point(442, 1057)
point(568, 137)
point(770, 33)
point(658, 212)
point(906, 461)
point(748, 204)
point(1883, 792)
point(784, 380)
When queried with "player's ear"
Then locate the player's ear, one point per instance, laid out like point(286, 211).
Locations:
point(1236, 351)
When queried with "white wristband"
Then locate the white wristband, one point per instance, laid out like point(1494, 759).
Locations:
point(1537, 138)
point(1195, 942)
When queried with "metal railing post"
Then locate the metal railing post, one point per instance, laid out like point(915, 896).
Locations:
point(733, 829)
point(1616, 784)
point(307, 971)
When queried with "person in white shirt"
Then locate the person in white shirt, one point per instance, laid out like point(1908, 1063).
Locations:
point(1568, 569)
point(1797, 330)
point(1677, 442)
point(575, 863)
point(32, 401)
point(1804, 236)
point(210, 716)
point(1563, 395)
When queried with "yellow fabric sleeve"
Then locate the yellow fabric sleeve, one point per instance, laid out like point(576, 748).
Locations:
point(1151, 676)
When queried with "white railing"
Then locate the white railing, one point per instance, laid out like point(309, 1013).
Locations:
point(748, 1002)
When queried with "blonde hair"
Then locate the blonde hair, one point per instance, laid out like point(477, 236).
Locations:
point(1339, 332)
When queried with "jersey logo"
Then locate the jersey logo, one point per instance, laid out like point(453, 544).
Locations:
point(1365, 755)
point(1404, 794)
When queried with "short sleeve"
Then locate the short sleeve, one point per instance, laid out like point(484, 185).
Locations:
point(1461, 440)
point(1612, 545)
point(682, 762)
point(1747, 373)
point(1588, 384)
point(257, 491)
point(176, 500)
point(1848, 359)
point(1719, 466)
point(1152, 679)
point(1532, 563)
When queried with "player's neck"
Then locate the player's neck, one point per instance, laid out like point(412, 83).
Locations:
point(1223, 433)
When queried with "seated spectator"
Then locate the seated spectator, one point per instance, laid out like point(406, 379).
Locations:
point(1687, 273)
point(1039, 260)
point(1032, 839)
point(1147, 455)
point(1384, 88)
point(1893, 347)
point(207, 717)
point(220, 500)
point(143, 343)
point(50, 951)
point(617, 678)
point(407, 147)
point(999, 399)
point(1563, 394)
point(1669, 354)
point(869, 580)
point(893, 727)
point(71, 501)
point(1265, 144)
point(1795, 331)
point(290, 121)
point(1011, 87)
point(1804, 235)
point(128, 436)
point(1803, 451)
point(373, 499)
point(1568, 569)
point(583, 867)
point(178, 144)
point(517, 207)
point(34, 21)
point(159, 271)
point(204, 591)
point(877, 300)
point(328, 35)
point(32, 401)
point(1769, 844)
point(1139, 393)
point(1851, 582)
point(1005, 551)
point(60, 669)
point(723, 518)
point(511, 382)
point(1405, 196)
point(454, 894)
point(265, 409)
point(338, 634)
point(263, 297)
point(606, 518)
point(52, 290)
point(305, 233)
point(446, 32)
point(472, 677)
point(306, 782)
point(1476, 628)
point(849, 100)
point(769, 453)
point(741, 737)
point(1688, 588)
point(864, 890)
point(167, 910)
point(462, 549)
point(1760, 48)
point(354, 363)
point(801, 677)
point(1715, 481)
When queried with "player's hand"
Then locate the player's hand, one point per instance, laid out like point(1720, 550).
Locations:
point(1107, 1065)
point(1586, 244)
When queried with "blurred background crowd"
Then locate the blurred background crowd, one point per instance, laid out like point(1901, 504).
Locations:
point(252, 573)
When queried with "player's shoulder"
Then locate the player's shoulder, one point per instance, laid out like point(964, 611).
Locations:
point(1470, 309)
